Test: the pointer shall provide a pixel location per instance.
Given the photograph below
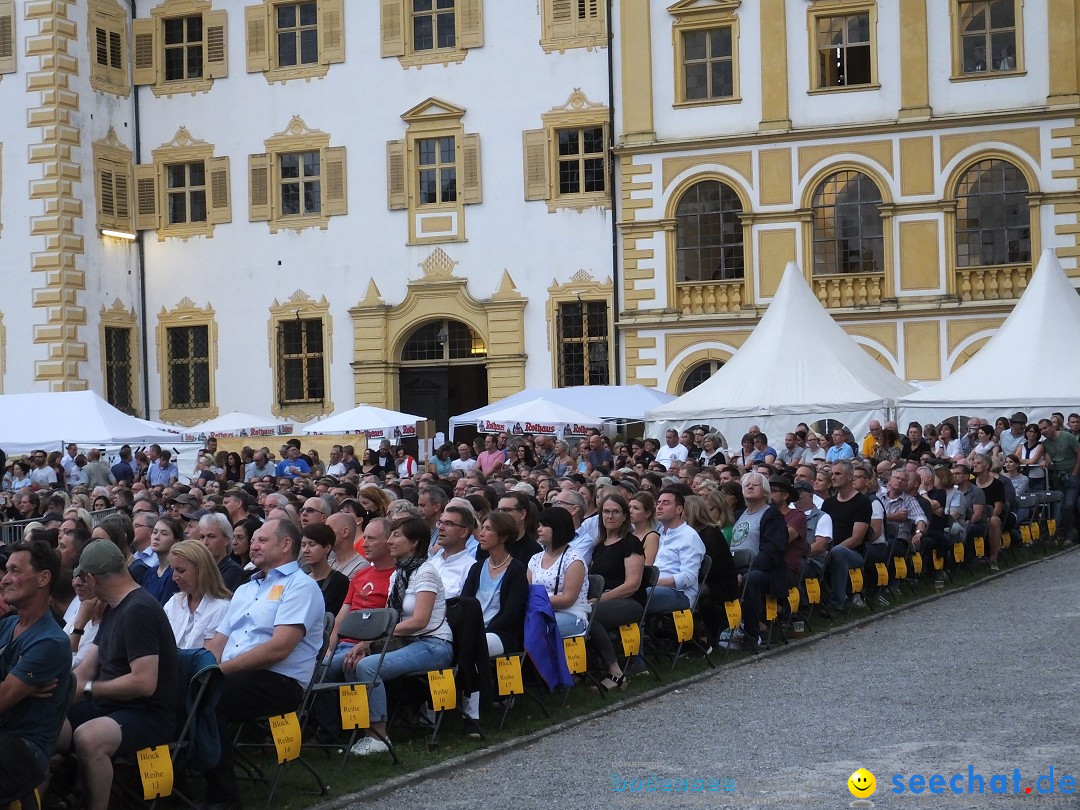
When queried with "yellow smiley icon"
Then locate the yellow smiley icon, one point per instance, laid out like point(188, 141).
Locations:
point(862, 784)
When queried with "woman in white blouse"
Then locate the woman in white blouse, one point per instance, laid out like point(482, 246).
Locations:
point(202, 600)
point(561, 571)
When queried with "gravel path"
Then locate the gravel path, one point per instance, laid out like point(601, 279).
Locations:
point(987, 678)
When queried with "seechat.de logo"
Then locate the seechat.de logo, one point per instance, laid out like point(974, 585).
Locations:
point(862, 785)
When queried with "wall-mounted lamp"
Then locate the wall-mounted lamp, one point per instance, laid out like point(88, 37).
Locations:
point(127, 236)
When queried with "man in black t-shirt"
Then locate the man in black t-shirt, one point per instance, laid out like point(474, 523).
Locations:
point(127, 686)
point(850, 511)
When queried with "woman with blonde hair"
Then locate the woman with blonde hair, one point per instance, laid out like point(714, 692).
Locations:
point(201, 601)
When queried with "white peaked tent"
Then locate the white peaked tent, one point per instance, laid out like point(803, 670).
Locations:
point(538, 416)
point(797, 365)
point(47, 421)
point(1030, 364)
point(238, 423)
point(377, 423)
point(609, 402)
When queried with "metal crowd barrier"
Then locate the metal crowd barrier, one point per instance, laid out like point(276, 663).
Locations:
point(13, 529)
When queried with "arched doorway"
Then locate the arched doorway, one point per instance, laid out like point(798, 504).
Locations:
point(443, 372)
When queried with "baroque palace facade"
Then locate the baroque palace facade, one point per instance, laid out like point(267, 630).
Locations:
point(293, 206)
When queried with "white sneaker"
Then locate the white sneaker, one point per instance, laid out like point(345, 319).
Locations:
point(369, 745)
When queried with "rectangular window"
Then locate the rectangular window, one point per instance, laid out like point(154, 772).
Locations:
point(301, 362)
point(844, 51)
point(436, 162)
point(582, 160)
point(301, 183)
point(708, 66)
point(114, 194)
point(188, 358)
point(582, 331)
point(118, 368)
point(185, 192)
point(987, 36)
point(433, 25)
point(297, 33)
point(183, 38)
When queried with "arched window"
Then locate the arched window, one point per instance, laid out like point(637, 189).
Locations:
point(442, 341)
point(708, 233)
point(848, 232)
point(993, 221)
point(699, 374)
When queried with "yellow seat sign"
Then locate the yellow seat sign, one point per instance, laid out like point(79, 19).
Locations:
point(813, 591)
point(734, 613)
point(900, 567)
point(156, 771)
point(882, 574)
point(353, 702)
point(508, 671)
point(771, 609)
point(285, 729)
point(958, 552)
point(793, 599)
point(916, 563)
point(939, 561)
point(684, 625)
point(630, 634)
point(575, 655)
point(856, 580)
point(980, 546)
point(443, 689)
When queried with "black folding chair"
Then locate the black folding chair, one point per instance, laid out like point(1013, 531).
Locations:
point(370, 626)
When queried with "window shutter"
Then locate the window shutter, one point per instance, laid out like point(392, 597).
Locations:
point(258, 46)
point(471, 23)
point(393, 28)
point(146, 55)
point(594, 18)
point(537, 185)
point(259, 187)
point(219, 211)
point(471, 191)
point(7, 36)
point(335, 196)
point(122, 191)
point(563, 22)
point(217, 44)
point(331, 31)
point(146, 198)
point(397, 197)
point(106, 195)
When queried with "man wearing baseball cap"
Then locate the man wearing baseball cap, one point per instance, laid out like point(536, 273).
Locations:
point(127, 685)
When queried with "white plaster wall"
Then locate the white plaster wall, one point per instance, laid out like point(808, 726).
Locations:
point(505, 86)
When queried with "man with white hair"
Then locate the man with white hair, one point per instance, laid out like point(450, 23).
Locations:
point(215, 532)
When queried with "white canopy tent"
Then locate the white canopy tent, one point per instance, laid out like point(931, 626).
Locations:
point(239, 424)
point(1030, 363)
point(377, 423)
point(49, 420)
point(538, 416)
point(609, 402)
point(797, 365)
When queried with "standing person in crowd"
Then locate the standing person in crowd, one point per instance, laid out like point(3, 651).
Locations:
point(1063, 469)
point(1031, 455)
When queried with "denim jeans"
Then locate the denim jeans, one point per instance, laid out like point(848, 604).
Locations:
point(667, 600)
point(842, 560)
point(569, 624)
point(422, 655)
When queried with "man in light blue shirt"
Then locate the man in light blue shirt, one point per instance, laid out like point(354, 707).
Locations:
point(292, 465)
point(267, 644)
point(162, 473)
point(840, 449)
point(678, 558)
